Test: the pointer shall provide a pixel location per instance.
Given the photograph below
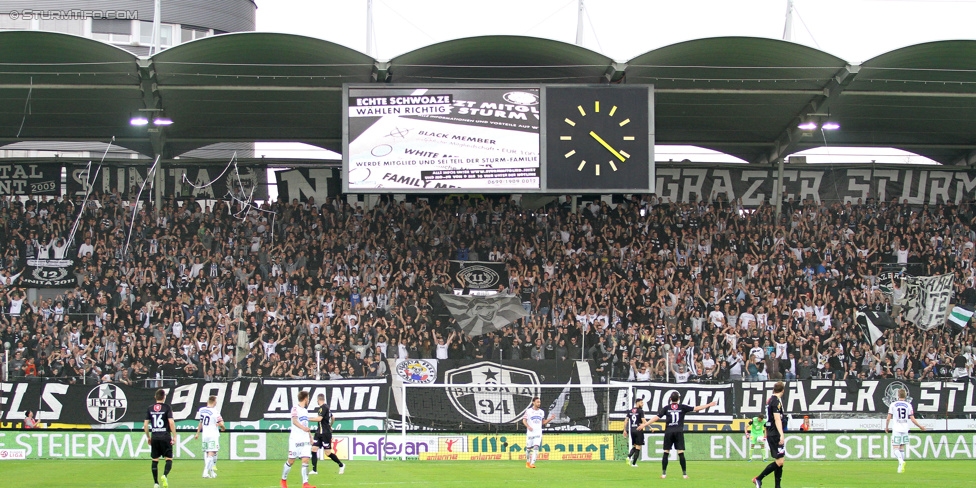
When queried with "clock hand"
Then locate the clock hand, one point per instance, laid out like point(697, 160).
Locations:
point(607, 146)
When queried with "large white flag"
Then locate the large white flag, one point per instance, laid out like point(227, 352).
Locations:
point(926, 300)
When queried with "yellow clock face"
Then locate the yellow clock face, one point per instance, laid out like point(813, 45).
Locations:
point(597, 138)
point(615, 152)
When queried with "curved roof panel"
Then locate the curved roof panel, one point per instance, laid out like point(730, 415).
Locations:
point(732, 94)
point(500, 59)
point(738, 62)
point(257, 86)
point(52, 54)
point(262, 59)
point(62, 84)
point(920, 98)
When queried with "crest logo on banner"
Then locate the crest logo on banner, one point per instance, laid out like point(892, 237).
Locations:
point(107, 403)
point(417, 370)
point(891, 393)
point(478, 276)
point(485, 403)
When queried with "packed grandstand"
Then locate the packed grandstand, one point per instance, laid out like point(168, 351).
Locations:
point(647, 289)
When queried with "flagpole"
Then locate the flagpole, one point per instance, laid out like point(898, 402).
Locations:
point(667, 363)
point(583, 344)
point(403, 420)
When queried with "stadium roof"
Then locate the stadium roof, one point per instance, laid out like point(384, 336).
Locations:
point(738, 95)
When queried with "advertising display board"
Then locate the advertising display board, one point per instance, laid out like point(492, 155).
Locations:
point(434, 138)
point(822, 447)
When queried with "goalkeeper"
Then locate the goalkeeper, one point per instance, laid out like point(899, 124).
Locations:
point(757, 437)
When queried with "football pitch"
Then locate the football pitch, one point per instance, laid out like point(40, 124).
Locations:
point(474, 474)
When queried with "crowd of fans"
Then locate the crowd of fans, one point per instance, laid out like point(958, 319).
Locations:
point(647, 290)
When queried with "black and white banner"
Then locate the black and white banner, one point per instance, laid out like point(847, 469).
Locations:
point(658, 395)
point(49, 273)
point(209, 182)
point(687, 183)
point(478, 276)
point(49, 265)
point(479, 395)
point(886, 282)
point(926, 301)
point(245, 400)
point(863, 397)
point(489, 396)
point(353, 398)
point(213, 182)
point(126, 179)
point(822, 183)
point(30, 179)
point(304, 184)
point(442, 138)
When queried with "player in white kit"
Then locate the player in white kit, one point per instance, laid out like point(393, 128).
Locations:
point(902, 412)
point(211, 423)
point(299, 440)
point(534, 420)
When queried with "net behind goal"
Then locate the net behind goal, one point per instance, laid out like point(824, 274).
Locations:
point(499, 407)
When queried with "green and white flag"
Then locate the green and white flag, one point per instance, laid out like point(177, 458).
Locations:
point(960, 316)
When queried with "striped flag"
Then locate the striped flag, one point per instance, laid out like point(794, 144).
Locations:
point(873, 324)
point(960, 316)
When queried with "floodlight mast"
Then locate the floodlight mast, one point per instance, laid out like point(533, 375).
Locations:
point(579, 22)
point(157, 9)
point(369, 28)
point(788, 27)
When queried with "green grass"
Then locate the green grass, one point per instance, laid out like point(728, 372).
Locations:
point(474, 474)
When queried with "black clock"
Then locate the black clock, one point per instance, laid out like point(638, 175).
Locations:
point(599, 138)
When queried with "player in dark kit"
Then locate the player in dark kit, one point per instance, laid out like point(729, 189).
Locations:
point(634, 426)
point(674, 430)
point(323, 435)
point(160, 432)
point(775, 435)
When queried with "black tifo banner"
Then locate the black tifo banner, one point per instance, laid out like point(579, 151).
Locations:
point(211, 181)
point(30, 179)
point(478, 275)
point(58, 271)
point(474, 404)
point(303, 184)
point(830, 184)
point(245, 400)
